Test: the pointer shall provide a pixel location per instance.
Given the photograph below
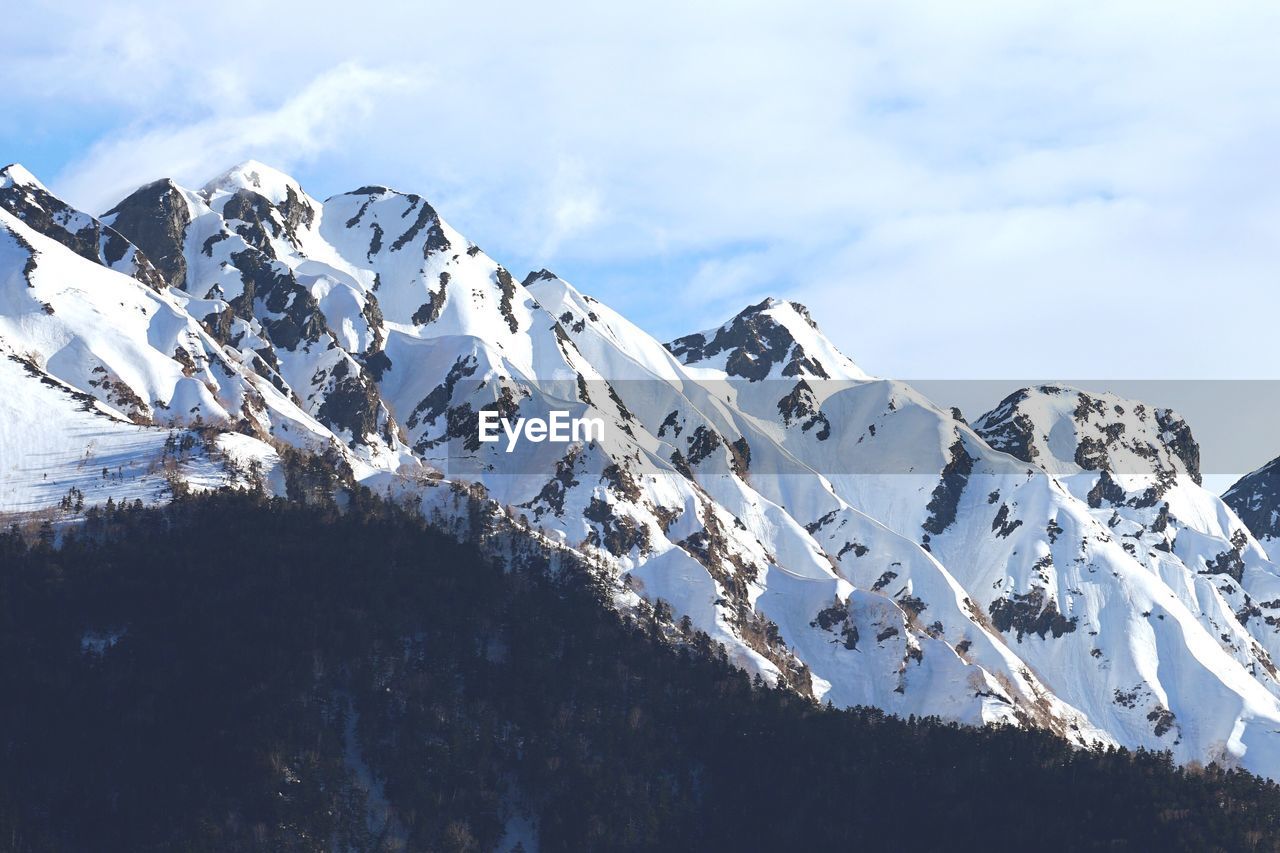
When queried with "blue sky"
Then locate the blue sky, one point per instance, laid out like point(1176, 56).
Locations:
point(977, 190)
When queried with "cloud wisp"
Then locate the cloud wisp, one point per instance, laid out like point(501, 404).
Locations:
point(313, 121)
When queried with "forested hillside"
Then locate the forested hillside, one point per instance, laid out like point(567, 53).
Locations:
point(233, 672)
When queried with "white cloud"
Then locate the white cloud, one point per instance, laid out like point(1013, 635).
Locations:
point(572, 205)
point(314, 120)
point(947, 184)
point(720, 277)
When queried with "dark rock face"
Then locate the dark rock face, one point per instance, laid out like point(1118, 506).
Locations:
point(755, 344)
point(1091, 453)
point(1180, 441)
point(255, 219)
point(617, 534)
point(376, 364)
point(801, 363)
point(428, 220)
point(702, 443)
point(540, 275)
point(460, 421)
point(710, 547)
point(1231, 561)
point(352, 405)
point(372, 314)
point(1106, 489)
point(432, 406)
point(836, 620)
point(623, 411)
point(621, 482)
point(364, 206)
point(155, 219)
point(1009, 428)
point(430, 310)
point(31, 263)
point(1001, 525)
point(884, 580)
point(740, 451)
point(206, 248)
point(946, 495)
point(297, 316)
point(79, 232)
point(801, 406)
point(436, 241)
point(284, 217)
point(552, 495)
point(670, 422)
point(297, 213)
point(1162, 720)
point(291, 318)
point(1161, 522)
point(507, 286)
point(1030, 614)
point(682, 466)
point(1256, 499)
point(858, 549)
point(184, 358)
point(272, 303)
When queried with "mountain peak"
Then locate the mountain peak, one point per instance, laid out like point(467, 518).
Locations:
point(1066, 431)
point(773, 338)
point(16, 175)
point(154, 217)
point(266, 181)
point(773, 303)
point(154, 189)
point(549, 288)
point(543, 274)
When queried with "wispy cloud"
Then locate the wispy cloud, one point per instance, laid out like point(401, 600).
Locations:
point(572, 206)
point(318, 118)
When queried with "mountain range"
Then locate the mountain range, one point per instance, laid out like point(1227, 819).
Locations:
point(1056, 563)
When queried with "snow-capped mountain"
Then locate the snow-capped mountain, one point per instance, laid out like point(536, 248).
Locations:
point(1056, 564)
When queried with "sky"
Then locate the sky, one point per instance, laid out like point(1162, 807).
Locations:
point(957, 191)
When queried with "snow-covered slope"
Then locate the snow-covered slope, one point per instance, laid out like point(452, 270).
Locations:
point(1135, 634)
point(23, 196)
point(1057, 564)
point(862, 645)
point(1188, 570)
point(62, 448)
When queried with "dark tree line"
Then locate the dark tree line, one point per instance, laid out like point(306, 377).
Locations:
point(233, 672)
